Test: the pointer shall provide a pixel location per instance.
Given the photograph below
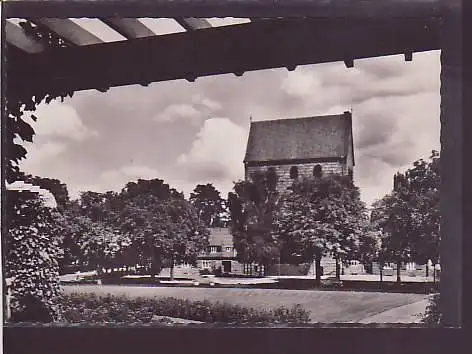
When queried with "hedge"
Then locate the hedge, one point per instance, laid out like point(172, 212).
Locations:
point(432, 316)
point(90, 308)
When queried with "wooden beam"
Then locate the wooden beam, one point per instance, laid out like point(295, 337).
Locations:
point(349, 63)
point(222, 50)
point(69, 30)
point(408, 56)
point(128, 27)
point(455, 176)
point(240, 8)
point(193, 23)
point(16, 36)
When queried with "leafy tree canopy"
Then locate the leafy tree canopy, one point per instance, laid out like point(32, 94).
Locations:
point(209, 205)
point(409, 216)
point(321, 216)
point(252, 208)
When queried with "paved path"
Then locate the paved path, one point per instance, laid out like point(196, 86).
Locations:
point(325, 306)
point(403, 314)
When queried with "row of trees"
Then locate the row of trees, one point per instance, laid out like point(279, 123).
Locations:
point(315, 217)
point(151, 225)
point(324, 215)
point(409, 217)
point(147, 224)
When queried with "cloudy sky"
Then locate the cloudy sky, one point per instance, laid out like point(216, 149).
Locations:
point(189, 133)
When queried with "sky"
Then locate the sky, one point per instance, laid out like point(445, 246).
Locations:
point(192, 133)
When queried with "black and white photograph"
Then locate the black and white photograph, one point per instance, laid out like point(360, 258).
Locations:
point(243, 171)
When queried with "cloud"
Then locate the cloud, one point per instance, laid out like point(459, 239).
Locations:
point(216, 154)
point(176, 112)
point(195, 112)
point(300, 83)
point(169, 127)
point(59, 120)
point(40, 154)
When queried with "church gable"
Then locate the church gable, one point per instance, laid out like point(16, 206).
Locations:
point(300, 140)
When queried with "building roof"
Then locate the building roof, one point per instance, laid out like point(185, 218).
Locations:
point(321, 137)
point(220, 236)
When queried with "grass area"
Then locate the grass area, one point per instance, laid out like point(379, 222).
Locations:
point(324, 306)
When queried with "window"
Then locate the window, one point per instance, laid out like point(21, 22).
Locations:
point(215, 249)
point(182, 265)
point(350, 173)
point(294, 172)
point(317, 171)
point(206, 264)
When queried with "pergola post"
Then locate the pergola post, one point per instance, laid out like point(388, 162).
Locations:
point(452, 197)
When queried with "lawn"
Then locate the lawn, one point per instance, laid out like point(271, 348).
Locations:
point(325, 306)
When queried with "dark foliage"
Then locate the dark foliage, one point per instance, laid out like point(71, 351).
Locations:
point(86, 308)
point(432, 316)
point(209, 205)
point(252, 208)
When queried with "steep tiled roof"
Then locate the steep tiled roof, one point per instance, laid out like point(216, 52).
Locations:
point(299, 138)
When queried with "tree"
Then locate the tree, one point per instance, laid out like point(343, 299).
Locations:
point(187, 234)
point(392, 216)
point(209, 205)
point(90, 233)
point(423, 181)
point(32, 249)
point(161, 224)
point(370, 246)
point(252, 208)
point(409, 216)
point(321, 216)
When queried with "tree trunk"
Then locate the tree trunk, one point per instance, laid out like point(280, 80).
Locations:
point(399, 266)
point(155, 263)
point(338, 269)
point(381, 265)
point(172, 269)
point(318, 269)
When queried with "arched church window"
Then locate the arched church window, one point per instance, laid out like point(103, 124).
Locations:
point(294, 172)
point(317, 171)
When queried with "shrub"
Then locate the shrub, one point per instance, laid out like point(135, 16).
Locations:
point(432, 316)
point(32, 250)
point(89, 308)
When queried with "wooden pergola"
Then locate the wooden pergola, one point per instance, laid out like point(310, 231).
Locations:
point(328, 33)
point(202, 50)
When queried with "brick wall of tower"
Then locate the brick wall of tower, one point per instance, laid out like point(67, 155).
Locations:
point(304, 170)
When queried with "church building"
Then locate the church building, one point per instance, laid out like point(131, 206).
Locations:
point(298, 147)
